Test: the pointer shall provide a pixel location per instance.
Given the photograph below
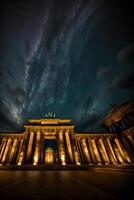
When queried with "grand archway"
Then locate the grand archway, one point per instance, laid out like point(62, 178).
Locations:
point(50, 150)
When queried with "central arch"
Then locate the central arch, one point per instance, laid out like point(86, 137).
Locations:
point(50, 149)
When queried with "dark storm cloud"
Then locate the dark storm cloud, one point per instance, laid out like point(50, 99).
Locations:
point(17, 94)
point(126, 55)
point(124, 81)
point(61, 56)
point(88, 123)
point(6, 118)
point(50, 70)
point(103, 72)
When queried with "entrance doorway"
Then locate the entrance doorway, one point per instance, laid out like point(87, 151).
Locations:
point(49, 156)
point(50, 151)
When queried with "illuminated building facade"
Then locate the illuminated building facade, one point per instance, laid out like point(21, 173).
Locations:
point(113, 146)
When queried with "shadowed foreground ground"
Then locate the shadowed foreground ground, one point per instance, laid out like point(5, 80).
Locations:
point(80, 185)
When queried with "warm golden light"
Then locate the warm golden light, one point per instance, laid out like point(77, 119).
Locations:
point(71, 148)
point(34, 163)
point(76, 155)
point(49, 156)
point(37, 147)
point(35, 159)
point(99, 163)
point(20, 158)
point(30, 144)
point(6, 150)
point(63, 158)
point(78, 163)
point(63, 163)
point(19, 163)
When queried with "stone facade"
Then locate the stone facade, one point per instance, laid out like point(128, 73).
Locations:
point(69, 147)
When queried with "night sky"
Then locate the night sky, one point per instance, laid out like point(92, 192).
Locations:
point(74, 58)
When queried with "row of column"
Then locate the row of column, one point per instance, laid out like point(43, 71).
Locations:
point(84, 150)
point(104, 151)
point(8, 150)
point(19, 151)
point(30, 149)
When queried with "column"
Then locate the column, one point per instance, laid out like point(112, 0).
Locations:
point(122, 151)
point(95, 150)
point(91, 151)
point(13, 151)
point(113, 158)
point(42, 156)
point(23, 150)
point(6, 150)
point(104, 151)
point(80, 150)
point(69, 147)
point(30, 146)
point(61, 148)
point(100, 150)
point(85, 151)
point(118, 155)
point(37, 148)
point(131, 140)
point(20, 153)
point(4, 141)
point(129, 150)
point(76, 152)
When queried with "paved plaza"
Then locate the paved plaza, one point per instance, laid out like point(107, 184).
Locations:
point(66, 185)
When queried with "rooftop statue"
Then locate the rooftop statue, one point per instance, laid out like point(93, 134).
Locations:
point(50, 115)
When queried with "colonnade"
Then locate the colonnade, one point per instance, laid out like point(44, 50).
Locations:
point(105, 150)
point(72, 148)
point(29, 148)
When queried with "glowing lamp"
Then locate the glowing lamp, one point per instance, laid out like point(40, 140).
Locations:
point(99, 163)
point(19, 163)
point(78, 163)
point(63, 163)
point(34, 163)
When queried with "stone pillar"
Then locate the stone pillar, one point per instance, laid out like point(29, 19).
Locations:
point(85, 151)
point(80, 150)
point(104, 151)
point(122, 151)
point(129, 150)
point(6, 151)
point(91, 151)
point(30, 147)
point(76, 151)
point(19, 160)
point(69, 147)
point(113, 157)
point(42, 147)
point(13, 151)
point(37, 152)
point(118, 155)
point(100, 150)
point(62, 155)
point(4, 141)
point(23, 150)
point(130, 139)
point(95, 150)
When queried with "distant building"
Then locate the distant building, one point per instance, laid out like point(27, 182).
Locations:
point(53, 141)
